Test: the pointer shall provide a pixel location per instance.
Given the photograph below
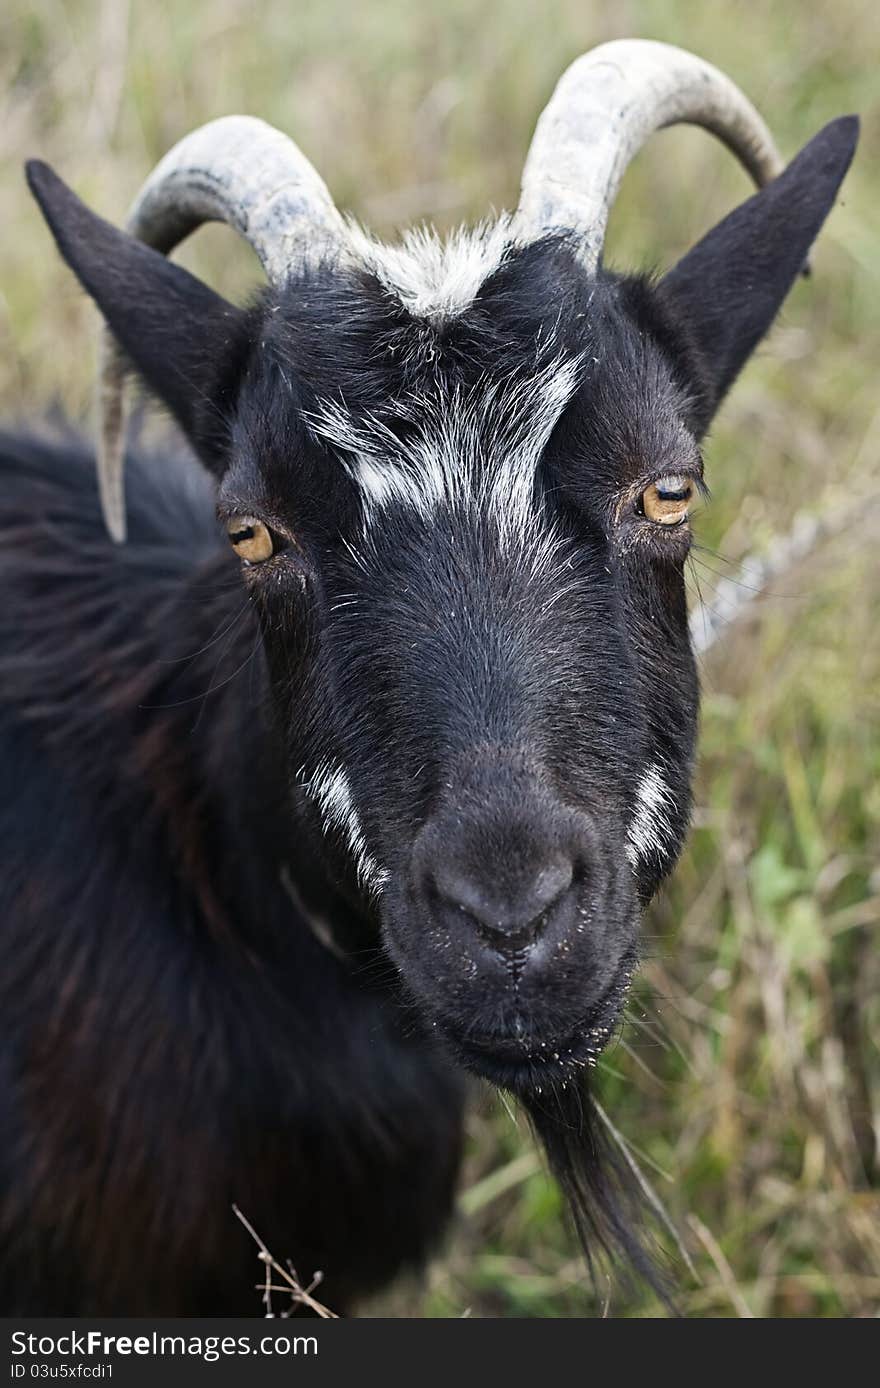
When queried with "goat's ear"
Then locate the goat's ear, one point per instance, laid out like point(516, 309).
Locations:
point(186, 342)
point(727, 290)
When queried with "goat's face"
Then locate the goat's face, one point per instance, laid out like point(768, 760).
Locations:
point(458, 479)
point(475, 620)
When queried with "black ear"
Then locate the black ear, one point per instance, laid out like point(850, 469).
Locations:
point(187, 342)
point(726, 292)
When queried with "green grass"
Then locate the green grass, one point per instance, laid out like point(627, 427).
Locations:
point(749, 1078)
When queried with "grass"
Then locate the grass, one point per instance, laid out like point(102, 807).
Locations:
point(748, 1077)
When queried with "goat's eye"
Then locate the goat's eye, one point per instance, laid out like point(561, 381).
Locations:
point(666, 501)
point(250, 539)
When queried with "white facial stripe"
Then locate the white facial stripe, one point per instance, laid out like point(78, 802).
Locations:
point(650, 830)
point(478, 447)
point(331, 792)
point(534, 415)
point(435, 278)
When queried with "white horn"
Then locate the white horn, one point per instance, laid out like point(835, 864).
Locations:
point(604, 108)
point(237, 170)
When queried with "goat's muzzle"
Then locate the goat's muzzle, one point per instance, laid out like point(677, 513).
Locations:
point(516, 927)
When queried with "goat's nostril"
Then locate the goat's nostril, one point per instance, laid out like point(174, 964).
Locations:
point(510, 916)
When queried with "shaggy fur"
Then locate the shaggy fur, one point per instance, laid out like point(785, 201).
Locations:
point(175, 1037)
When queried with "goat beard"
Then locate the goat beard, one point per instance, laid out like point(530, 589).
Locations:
point(604, 1196)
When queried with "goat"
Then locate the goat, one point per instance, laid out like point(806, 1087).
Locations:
point(308, 817)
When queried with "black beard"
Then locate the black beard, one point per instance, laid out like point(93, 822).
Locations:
point(601, 1189)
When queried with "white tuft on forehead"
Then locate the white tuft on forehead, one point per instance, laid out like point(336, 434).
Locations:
point(478, 446)
point(650, 829)
point(433, 277)
point(330, 790)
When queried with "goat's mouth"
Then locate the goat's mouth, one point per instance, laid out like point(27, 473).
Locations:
point(524, 1060)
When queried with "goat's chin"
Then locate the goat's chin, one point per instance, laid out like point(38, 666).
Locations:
point(549, 1073)
point(513, 1053)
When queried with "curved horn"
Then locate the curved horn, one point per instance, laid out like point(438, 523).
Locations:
point(604, 108)
point(237, 170)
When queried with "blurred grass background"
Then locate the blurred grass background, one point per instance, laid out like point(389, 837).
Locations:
point(747, 1078)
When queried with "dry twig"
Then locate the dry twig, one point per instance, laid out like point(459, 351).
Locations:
point(299, 1295)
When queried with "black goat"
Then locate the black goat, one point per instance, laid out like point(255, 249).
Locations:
point(280, 860)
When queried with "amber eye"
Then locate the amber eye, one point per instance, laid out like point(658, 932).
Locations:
point(667, 500)
point(250, 539)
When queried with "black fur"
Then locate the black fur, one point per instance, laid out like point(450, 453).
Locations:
point(495, 694)
point(175, 1038)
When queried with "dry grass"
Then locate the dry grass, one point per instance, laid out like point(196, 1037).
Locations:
point(748, 1077)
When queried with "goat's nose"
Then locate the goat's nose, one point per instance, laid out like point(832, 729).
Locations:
point(508, 921)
